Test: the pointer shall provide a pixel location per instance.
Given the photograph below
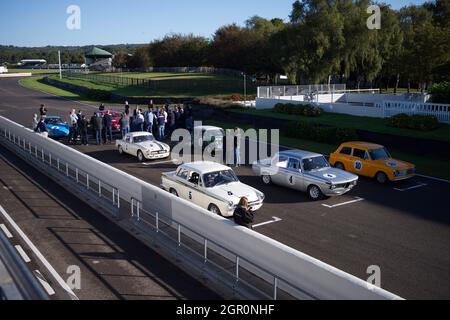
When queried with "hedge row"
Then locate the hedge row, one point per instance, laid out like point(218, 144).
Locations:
point(441, 92)
point(319, 133)
point(298, 109)
point(415, 122)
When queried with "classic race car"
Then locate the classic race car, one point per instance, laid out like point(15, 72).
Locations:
point(211, 137)
point(305, 171)
point(143, 145)
point(56, 127)
point(211, 186)
point(371, 160)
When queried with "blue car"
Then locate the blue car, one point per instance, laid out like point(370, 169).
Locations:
point(57, 128)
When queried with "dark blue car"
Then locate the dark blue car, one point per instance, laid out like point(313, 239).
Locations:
point(57, 128)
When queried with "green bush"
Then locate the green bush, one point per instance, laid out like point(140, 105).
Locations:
point(415, 122)
point(298, 109)
point(320, 133)
point(441, 92)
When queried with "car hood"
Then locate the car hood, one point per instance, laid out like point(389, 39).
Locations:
point(235, 191)
point(57, 127)
point(394, 164)
point(333, 175)
point(153, 146)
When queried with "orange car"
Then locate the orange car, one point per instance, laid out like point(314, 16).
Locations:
point(371, 160)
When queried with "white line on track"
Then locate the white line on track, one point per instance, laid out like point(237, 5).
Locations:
point(357, 199)
point(22, 253)
point(6, 231)
point(39, 255)
point(275, 219)
point(433, 178)
point(44, 283)
point(411, 188)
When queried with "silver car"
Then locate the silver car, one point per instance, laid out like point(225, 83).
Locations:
point(305, 171)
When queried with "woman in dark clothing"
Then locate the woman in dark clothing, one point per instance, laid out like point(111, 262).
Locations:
point(83, 127)
point(243, 215)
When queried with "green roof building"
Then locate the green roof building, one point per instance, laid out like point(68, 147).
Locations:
point(98, 59)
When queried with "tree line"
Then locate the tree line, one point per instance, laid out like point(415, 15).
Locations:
point(323, 40)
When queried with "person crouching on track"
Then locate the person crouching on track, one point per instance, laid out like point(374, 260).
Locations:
point(243, 215)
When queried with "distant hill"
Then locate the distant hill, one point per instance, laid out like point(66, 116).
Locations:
point(72, 54)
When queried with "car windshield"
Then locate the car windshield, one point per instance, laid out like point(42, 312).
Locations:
point(53, 121)
point(379, 154)
point(141, 139)
point(218, 178)
point(315, 163)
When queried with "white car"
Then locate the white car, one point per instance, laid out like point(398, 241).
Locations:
point(212, 186)
point(144, 146)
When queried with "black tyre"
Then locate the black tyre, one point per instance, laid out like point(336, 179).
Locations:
point(174, 192)
point(381, 178)
point(140, 156)
point(339, 165)
point(267, 179)
point(314, 193)
point(214, 209)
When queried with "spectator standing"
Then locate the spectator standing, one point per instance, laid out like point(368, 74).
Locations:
point(99, 128)
point(149, 119)
point(93, 125)
point(101, 108)
point(73, 120)
point(107, 121)
point(43, 111)
point(125, 124)
point(34, 122)
point(161, 124)
point(127, 108)
point(170, 121)
point(237, 146)
point(82, 127)
point(189, 123)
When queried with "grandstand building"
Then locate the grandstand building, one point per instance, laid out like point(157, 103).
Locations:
point(98, 59)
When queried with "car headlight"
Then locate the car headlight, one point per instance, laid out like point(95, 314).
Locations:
point(261, 196)
point(396, 173)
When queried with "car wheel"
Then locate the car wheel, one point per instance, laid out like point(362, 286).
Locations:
point(120, 150)
point(174, 192)
point(140, 156)
point(314, 193)
point(214, 209)
point(339, 166)
point(267, 179)
point(381, 177)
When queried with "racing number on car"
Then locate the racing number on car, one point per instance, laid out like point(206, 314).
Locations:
point(358, 165)
point(291, 180)
point(190, 195)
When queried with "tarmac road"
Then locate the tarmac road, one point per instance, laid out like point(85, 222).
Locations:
point(403, 228)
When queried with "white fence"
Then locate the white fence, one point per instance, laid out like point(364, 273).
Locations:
point(285, 91)
point(440, 111)
point(274, 265)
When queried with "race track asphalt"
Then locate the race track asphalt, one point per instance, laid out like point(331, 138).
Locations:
point(404, 228)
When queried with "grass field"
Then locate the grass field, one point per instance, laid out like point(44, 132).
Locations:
point(426, 165)
point(361, 123)
point(172, 76)
point(36, 84)
point(174, 85)
point(33, 71)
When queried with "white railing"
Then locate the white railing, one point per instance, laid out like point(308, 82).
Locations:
point(252, 261)
point(286, 91)
point(440, 111)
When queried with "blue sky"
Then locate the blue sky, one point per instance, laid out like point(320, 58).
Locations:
point(43, 22)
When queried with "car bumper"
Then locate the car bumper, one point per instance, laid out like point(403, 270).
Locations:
point(338, 191)
point(393, 178)
point(157, 156)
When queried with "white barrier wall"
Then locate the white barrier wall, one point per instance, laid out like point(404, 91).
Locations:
point(311, 275)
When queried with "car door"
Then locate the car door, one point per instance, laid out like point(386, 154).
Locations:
point(280, 165)
point(359, 162)
point(293, 175)
point(192, 189)
point(126, 142)
point(345, 157)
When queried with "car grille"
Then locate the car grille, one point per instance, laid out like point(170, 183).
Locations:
point(345, 185)
point(159, 152)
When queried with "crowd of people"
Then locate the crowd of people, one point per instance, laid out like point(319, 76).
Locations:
point(160, 121)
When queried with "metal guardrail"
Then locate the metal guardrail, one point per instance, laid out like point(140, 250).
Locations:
point(18, 282)
point(236, 272)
